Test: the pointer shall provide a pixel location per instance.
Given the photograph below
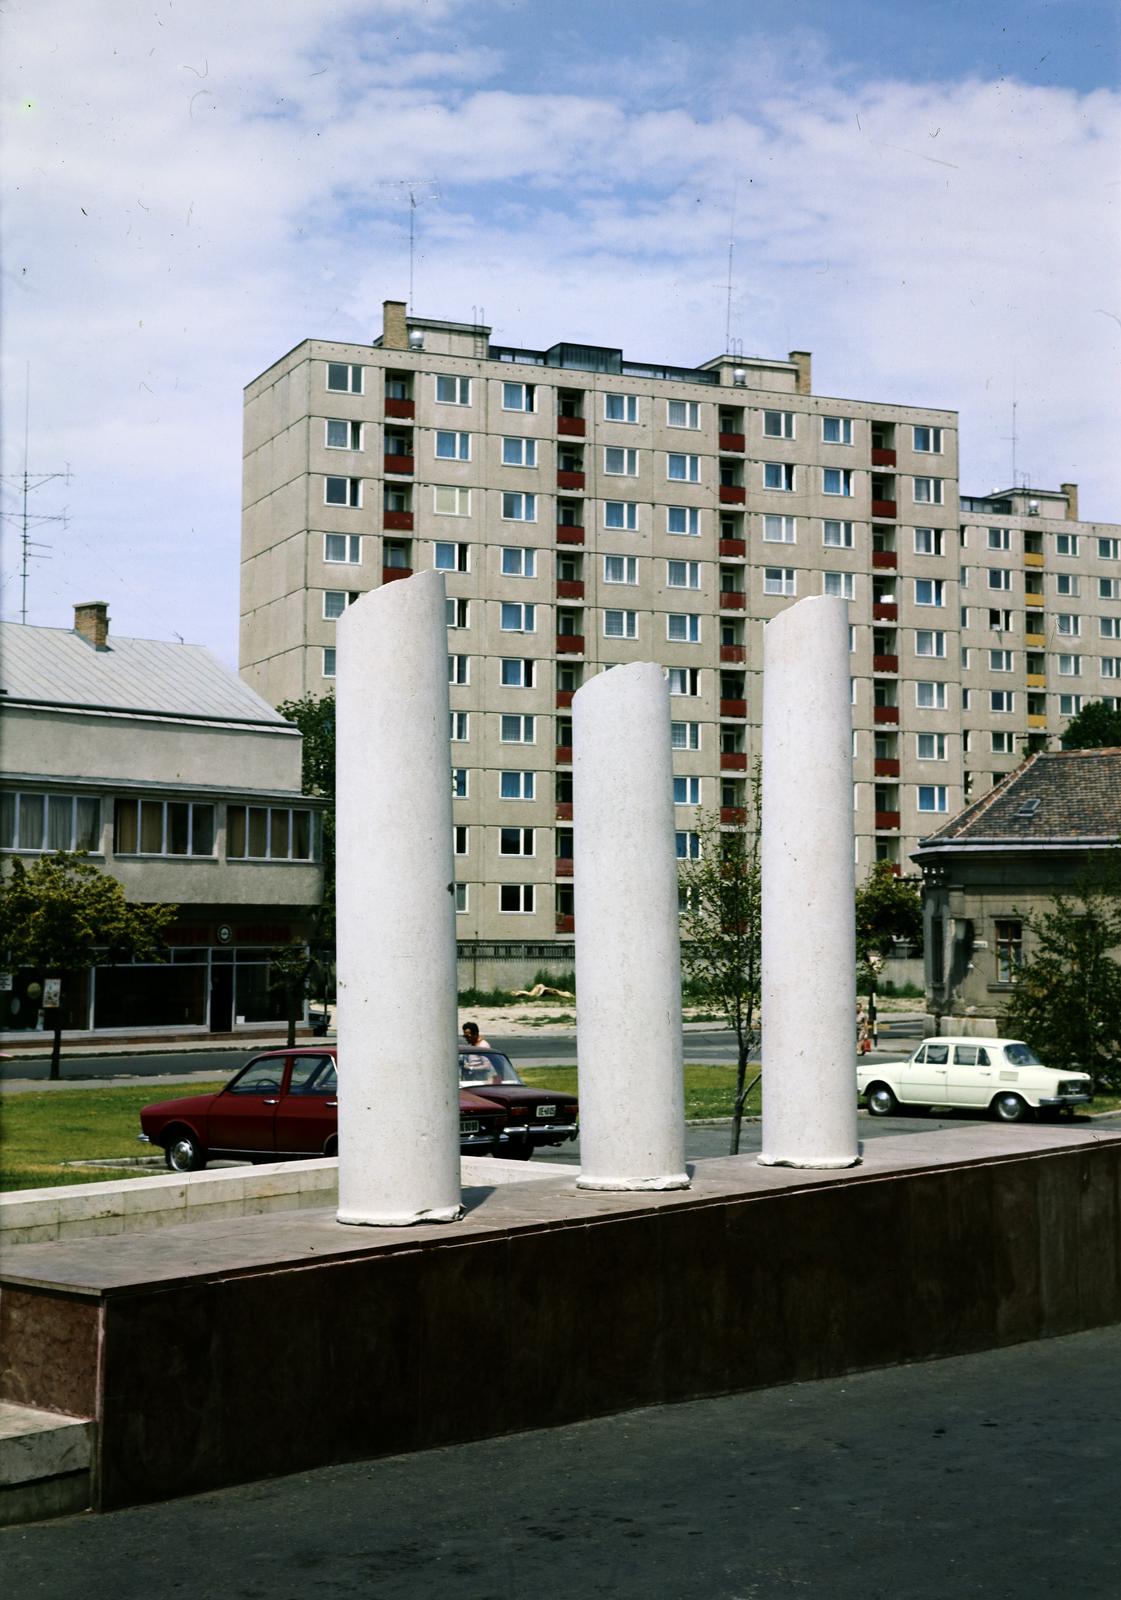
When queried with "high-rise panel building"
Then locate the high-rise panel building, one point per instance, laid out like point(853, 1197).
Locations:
point(588, 509)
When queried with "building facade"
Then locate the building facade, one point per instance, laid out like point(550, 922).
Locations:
point(587, 510)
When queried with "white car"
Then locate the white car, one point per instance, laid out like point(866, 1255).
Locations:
point(1003, 1076)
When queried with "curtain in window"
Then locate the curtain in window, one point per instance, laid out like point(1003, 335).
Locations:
point(31, 808)
point(60, 822)
point(87, 833)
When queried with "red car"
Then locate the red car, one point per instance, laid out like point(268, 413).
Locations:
point(281, 1106)
point(534, 1117)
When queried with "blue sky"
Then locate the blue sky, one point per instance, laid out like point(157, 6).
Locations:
point(924, 195)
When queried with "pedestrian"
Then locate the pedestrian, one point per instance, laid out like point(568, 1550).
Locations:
point(475, 1040)
point(863, 1037)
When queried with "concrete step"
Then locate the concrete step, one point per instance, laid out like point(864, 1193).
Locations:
point(45, 1463)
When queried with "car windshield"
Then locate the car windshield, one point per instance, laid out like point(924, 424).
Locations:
point(485, 1066)
point(1021, 1055)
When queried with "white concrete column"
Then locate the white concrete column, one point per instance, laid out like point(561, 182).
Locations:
point(398, 1060)
point(628, 966)
point(809, 940)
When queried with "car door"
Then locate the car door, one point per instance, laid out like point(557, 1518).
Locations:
point(923, 1079)
point(243, 1116)
point(308, 1115)
point(971, 1076)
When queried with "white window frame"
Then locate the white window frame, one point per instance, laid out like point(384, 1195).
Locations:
point(354, 430)
point(783, 470)
point(844, 430)
point(779, 528)
point(628, 513)
point(928, 541)
point(353, 501)
point(525, 893)
point(457, 390)
point(938, 797)
point(458, 558)
point(459, 670)
point(625, 566)
point(355, 377)
point(841, 478)
point(686, 790)
point(460, 445)
point(517, 561)
point(525, 673)
point(627, 625)
point(780, 581)
point(685, 735)
point(516, 616)
point(778, 425)
point(690, 572)
point(937, 638)
point(352, 543)
point(930, 591)
point(998, 539)
point(690, 467)
point(937, 696)
point(843, 541)
point(683, 414)
point(933, 446)
point(620, 407)
point(518, 507)
point(521, 780)
point(625, 461)
point(450, 500)
point(928, 491)
point(520, 397)
point(688, 625)
point(839, 584)
point(525, 836)
point(518, 446)
point(517, 727)
point(460, 726)
point(930, 747)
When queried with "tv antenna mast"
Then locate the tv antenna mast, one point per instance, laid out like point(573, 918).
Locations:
point(416, 189)
point(731, 253)
point(27, 482)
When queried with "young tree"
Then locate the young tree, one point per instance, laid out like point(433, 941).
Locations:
point(62, 915)
point(294, 969)
point(721, 927)
point(315, 718)
point(888, 907)
point(1095, 727)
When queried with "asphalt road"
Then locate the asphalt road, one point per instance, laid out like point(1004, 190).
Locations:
point(992, 1475)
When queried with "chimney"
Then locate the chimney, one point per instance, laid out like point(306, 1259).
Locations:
point(802, 359)
point(394, 328)
point(91, 623)
point(1071, 492)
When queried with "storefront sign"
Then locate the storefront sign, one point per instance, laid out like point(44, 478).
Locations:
point(52, 992)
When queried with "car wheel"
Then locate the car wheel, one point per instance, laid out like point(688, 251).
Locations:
point(521, 1152)
point(881, 1101)
point(1009, 1108)
point(331, 1148)
point(184, 1153)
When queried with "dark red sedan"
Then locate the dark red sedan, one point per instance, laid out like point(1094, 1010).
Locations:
point(534, 1117)
point(283, 1105)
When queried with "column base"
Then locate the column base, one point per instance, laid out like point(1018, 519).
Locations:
point(810, 1166)
point(676, 1180)
point(412, 1220)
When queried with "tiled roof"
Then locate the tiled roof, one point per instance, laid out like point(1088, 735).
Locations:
point(1055, 795)
point(55, 667)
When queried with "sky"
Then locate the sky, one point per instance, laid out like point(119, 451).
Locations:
point(925, 193)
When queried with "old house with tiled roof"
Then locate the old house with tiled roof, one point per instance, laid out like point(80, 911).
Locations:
point(1044, 830)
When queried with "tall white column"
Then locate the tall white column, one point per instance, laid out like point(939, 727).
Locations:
point(809, 942)
point(398, 1061)
point(628, 967)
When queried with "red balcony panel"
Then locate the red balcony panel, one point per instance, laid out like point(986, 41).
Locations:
point(885, 714)
point(402, 466)
point(564, 755)
point(886, 820)
point(882, 457)
point(733, 600)
point(566, 924)
point(569, 533)
point(733, 816)
point(564, 698)
point(733, 760)
point(570, 644)
point(570, 480)
point(398, 521)
point(884, 508)
point(564, 866)
point(733, 441)
point(570, 588)
point(391, 574)
point(884, 558)
point(400, 408)
point(733, 652)
point(732, 494)
point(885, 663)
point(886, 767)
point(573, 426)
point(564, 810)
point(733, 547)
point(733, 708)
point(885, 611)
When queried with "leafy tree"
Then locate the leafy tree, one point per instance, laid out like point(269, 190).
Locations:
point(1066, 998)
point(315, 717)
point(294, 969)
point(888, 907)
point(62, 915)
point(721, 925)
point(1095, 727)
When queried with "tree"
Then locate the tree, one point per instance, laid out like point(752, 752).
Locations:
point(1066, 998)
point(62, 915)
point(888, 907)
point(294, 969)
point(721, 926)
point(1095, 727)
point(315, 718)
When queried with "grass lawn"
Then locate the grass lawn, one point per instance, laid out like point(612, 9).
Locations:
point(708, 1090)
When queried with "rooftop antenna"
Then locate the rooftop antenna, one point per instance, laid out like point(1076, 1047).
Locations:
point(731, 253)
point(416, 189)
point(27, 521)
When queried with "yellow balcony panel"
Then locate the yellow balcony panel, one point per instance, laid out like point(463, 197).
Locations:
point(1032, 558)
point(1035, 641)
point(1035, 720)
point(1037, 680)
point(1033, 599)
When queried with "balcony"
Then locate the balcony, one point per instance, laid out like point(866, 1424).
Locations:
point(733, 761)
point(570, 480)
point(884, 510)
point(400, 408)
point(391, 574)
point(1033, 558)
point(569, 533)
point(733, 600)
point(564, 698)
point(887, 821)
point(572, 426)
point(570, 588)
point(1033, 599)
point(564, 755)
point(886, 766)
point(398, 466)
point(1037, 680)
point(885, 558)
point(882, 457)
point(732, 494)
point(885, 663)
point(884, 716)
point(735, 442)
point(735, 548)
point(1036, 720)
point(1035, 641)
point(733, 652)
point(570, 644)
point(733, 708)
point(885, 611)
point(564, 866)
point(733, 816)
point(397, 521)
point(566, 924)
point(564, 810)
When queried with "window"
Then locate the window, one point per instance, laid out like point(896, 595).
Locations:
point(1000, 578)
point(343, 378)
point(459, 669)
point(1000, 621)
point(683, 628)
point(688, 846)
point(1066, 544)
point(620, 569)
point(1068, 625)
point(518, 396)
point(836, 430)
point(452, 557)
point(342, 491)
point(683, 574)
point(684, 680)
point(839, 583)
point(519, 452)
point(965, 693)
point(778, 424)
point(1070, 705)
point(1109, 627)
point(459, 783)
point(618, 463)
point(930, 746)
point(686, 791)
point(516, 729)
point(1070, 666)
point(453, 446)
point(930, 592)
point(683, 414)
point(685, 735)
point(928, 441)
point(1109, 666)
point(930, 644)
point(837, 535)
point(330, 659)
point(1066, 584)
point(1000, 539)
point(683, 519)
point(779, 580)
point(1002, 744)
point(55, 822)
point(460, 727)
point(620, 407)
point(517, 618)
point(1001, 661)
point(930, 696)
point(516, 897)
point(1109, 549)
point(335, 602)
point(1009, 944)
point(836, 480)
point(928, 541)
point(460, 837)
point(461, 898)
point(519, 507)
point(343, 547)
point(620, 624)
point(1002, 701)
point(928, 491)
point(1108, 588)
point(518, 562)
point(515, 673)
point(516, 785)
point(516, 842)
point(453, 391)
point(778, 475)
point(449, 502)
point(779, 530)
point(621, 514)
point(342, 435)
point(257, 833)
point(686, 468)
point(932, 797)
point(458, 612)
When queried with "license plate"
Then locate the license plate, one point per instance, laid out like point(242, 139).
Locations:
point(468, 1126)
point(546, 1111)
